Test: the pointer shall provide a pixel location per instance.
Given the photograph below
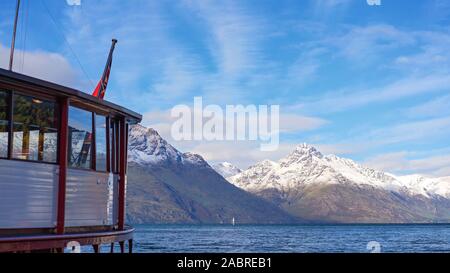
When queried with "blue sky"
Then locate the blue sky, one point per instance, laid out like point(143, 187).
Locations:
point(366, 82)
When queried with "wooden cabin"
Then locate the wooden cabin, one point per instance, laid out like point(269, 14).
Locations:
point(63, 163)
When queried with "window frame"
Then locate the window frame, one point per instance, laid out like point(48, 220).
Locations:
point(9, 108)
point(94, 113)
point(94, 127)
point(10, 118)
point(11, 123)
point(93, 140)
point(112, 131)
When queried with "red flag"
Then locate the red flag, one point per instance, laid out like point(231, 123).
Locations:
point(100, 89)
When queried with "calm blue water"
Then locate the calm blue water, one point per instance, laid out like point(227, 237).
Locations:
point(287, 238)
point(291, 238)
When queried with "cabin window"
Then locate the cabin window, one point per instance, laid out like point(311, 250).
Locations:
point(4, 124)
point(80, 138)
point(100, 143)
point(35, 135)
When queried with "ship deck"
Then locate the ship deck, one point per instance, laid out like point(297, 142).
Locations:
point(57, 242)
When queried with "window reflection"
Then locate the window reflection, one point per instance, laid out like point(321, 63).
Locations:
point(100, 142)
point(35, 134)
point(4, 124)
point(80, 138)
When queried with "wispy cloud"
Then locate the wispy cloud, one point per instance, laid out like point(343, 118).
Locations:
point(411, 132)
point(326, 7)
point(242, 153)
point(439, 106)
point(340, 100)
point(289, 123)
point(234, 35)
point(349, 78)
point(367, 42)
point(425, 130)
point(404, 162)
point(41, 64)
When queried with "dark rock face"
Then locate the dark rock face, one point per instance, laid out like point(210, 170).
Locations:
point(167, 186)
point(193, 195)
point(330, 189)
point(333, 203)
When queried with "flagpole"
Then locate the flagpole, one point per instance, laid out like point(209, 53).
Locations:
point(13, 42)
point(113, 45)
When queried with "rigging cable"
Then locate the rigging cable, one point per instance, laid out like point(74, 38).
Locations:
point(21, 23)
point(59, 28)
point(24, 40)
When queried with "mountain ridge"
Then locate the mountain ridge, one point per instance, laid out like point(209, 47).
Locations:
point(328, 188)
point(226, 169)
point(343, 168)
point(168, 186)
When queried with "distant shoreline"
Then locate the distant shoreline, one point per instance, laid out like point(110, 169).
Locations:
point(299, 224)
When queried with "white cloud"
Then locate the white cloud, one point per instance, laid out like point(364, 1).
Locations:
point(296, 123)
point(425, 130)
point(389, 162)
point(345, 100)
point(403, 163)
point(327, 7)
point(241, 154)
point(156, 69)
point(439, 106)
point(234, 35)
point(431, 55)
point(410, 133)
point(361, 43)
point(45, 65)
point(289, 123)
point(150, 67)
point(419, 59)
point(341, 149)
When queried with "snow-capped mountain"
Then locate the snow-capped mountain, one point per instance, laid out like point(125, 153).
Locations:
point(226, 169)
point(308, 180)
point(426, 186)
point(168, 186)
point(306, 165)
point(146, 146)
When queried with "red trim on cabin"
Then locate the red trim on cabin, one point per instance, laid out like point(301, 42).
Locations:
point(94, 142)
point(11, 124)
point(63, 134)
point(108, 145)
point(122, 173)
point(117, 146)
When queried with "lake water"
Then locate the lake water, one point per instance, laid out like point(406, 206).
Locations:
point(292, 238)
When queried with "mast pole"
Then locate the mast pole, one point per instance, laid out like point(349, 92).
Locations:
point(100, 89)
point(13, 42)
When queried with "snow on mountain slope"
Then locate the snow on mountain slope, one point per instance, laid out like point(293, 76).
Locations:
point(306, 165)
point(426, 186)
point(167, 186)
point(146, 146)
point(226, 169)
